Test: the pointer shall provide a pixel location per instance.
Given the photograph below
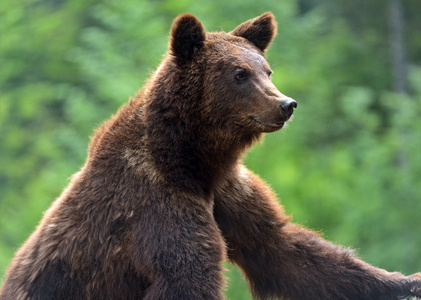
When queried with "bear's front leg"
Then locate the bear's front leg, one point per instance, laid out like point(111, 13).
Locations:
point(283, 260)
point(178, 247)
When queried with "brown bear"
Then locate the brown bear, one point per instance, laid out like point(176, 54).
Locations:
point(163, 198)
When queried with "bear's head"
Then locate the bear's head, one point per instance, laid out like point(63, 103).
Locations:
point(237, 87)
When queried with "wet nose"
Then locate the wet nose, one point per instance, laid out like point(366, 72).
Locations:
point(287, 106)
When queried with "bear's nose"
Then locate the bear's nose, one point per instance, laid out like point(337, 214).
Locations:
point(287, 106)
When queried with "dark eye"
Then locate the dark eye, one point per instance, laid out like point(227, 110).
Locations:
point(270, 72)
point(241, 75)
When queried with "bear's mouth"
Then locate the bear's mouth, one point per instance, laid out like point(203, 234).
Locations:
point(274, 126)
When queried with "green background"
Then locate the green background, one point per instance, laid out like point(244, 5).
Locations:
point(348, 165)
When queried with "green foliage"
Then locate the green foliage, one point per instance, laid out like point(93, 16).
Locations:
point(348, 165)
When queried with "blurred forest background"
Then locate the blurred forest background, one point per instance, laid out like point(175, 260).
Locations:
point(349, 165)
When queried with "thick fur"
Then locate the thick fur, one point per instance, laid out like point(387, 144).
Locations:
point(163, 198)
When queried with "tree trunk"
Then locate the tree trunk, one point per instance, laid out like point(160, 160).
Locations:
point(399, 70)
point(397, 44)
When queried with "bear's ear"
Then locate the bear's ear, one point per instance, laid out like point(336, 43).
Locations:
point(187, 35)
point(260, 31)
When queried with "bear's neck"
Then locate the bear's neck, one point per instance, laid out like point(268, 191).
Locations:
point(189, 159)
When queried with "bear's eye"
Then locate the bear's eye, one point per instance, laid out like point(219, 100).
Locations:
point(270, 72)
point(241, 75)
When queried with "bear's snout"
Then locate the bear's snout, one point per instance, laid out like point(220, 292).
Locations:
point(287, 107)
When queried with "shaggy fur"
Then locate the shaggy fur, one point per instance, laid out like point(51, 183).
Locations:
point(163, 198)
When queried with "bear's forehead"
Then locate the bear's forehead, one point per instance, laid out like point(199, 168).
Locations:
point(235, 49)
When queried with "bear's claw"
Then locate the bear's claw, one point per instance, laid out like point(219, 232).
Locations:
point(414, 285)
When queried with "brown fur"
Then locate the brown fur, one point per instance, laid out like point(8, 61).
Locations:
point(163, 197)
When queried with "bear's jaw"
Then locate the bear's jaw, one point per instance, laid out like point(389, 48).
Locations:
point(268, 126)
